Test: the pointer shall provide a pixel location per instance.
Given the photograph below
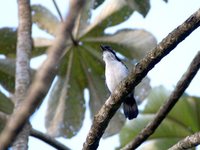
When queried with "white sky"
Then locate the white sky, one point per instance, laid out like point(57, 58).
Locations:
point(162, 19)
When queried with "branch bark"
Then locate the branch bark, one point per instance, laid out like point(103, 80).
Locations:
point(43, 79)
point(165, 109)
point(23, 78)
point(112, 104)
point(49, 140)
point(188, 142)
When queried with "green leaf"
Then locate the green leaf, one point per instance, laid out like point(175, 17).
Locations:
point(135, 46)
point(7, 74)
point(142, 6)
point(44, 19)
point(6, 105)
point(7, 65)
point(113, 13)
point(8, 40)
point(177, 125)
point(66, 108)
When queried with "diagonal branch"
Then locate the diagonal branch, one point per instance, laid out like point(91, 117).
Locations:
point(112, 104)
point(165, 109)
point(43, 79)
point(48, 139)
point(188, 142)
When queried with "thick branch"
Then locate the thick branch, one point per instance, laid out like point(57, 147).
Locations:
point(23, 78)
point(188, 142)
point(44, 78)
point(165, 109)
point(49, 140)
point(112, 104)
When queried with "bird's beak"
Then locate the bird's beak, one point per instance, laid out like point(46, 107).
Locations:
point(103, 48)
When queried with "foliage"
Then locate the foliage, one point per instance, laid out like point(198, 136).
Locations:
point(82, 65)
point(183, 120)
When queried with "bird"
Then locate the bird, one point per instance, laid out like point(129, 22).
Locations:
point(115, 72)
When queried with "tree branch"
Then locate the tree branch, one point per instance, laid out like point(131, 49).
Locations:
point(188, 142)
point(48, 139)
point(43, 79)
point(112, 104)
point(169, 104)
point(23, 78)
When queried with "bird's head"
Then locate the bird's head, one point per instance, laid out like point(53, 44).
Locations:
point(109, 54)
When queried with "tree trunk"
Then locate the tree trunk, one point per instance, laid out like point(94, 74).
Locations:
point(24, 46)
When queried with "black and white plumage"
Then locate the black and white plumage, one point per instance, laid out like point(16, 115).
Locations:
point(115, 72)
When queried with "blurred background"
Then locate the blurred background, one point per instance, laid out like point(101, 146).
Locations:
point(79, 89)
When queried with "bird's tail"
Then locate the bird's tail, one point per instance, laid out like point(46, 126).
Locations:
point(130, 107)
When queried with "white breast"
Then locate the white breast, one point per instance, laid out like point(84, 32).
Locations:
point(115, 72)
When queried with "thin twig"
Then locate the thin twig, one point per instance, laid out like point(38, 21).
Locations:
point(43, 79)
point(48, 139)
point(188, 142)
point(58, 10)
point(169, 104)
point(112, 104)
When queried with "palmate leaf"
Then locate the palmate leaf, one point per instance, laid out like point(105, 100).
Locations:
point(61, 120)
point(92, 70)
point(182, 121)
